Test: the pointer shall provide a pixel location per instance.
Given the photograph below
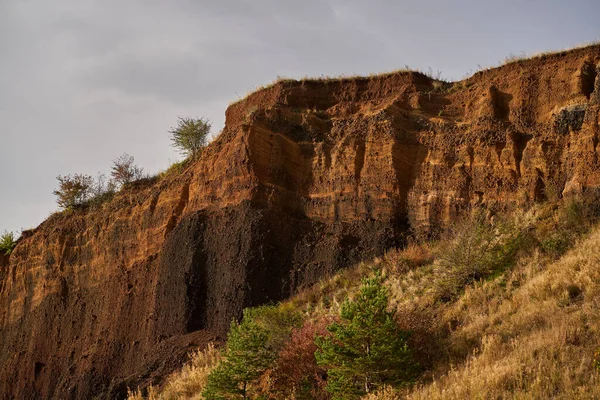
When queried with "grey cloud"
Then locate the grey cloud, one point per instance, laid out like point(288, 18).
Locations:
point(214, 67)
point(82, 81)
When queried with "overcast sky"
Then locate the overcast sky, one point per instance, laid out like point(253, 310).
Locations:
point(82, 82)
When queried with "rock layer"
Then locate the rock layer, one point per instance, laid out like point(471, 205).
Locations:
point(307, 177)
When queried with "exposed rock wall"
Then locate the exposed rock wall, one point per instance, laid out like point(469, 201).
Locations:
point(307, 177)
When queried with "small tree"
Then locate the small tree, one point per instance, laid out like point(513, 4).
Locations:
point(102, 190)
point(247, 355)
point(124, 170)
point(73, 190)
point(190, 135)
point(7, 243)
point(296, 373)
point(366, 348)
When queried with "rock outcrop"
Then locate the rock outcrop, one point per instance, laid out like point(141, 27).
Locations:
point(307, 177)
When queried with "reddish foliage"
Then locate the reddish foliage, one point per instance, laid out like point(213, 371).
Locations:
point(297, 372)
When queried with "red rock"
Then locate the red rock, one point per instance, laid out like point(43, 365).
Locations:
point(307, 177)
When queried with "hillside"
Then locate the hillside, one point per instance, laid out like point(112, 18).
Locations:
point(307, 177)
point(525, 327)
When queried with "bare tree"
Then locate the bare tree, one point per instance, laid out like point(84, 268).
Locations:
point(124, 170)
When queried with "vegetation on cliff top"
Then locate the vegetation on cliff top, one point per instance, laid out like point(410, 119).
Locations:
point(501, 306)
point(7, 243)
point(190, 135)
point(81, 190)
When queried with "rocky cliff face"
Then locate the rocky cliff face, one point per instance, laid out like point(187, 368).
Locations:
point(307, 177)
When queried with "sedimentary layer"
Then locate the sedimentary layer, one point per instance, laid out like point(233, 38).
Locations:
point(307, 177)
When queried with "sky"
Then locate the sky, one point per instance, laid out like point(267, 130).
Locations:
point(82, 82)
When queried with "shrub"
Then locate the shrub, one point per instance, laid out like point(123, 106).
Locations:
point(102, 190)
point(247, 356)
point(190, 135)
point(572, 218)
point(251, 349)
point(296, 374)
point(278, 320)
point(124, 170)
point(81, 190)
point(73, 190)
point(477, 249)
point(7, 243)
point(412, 256)
point(366, 349)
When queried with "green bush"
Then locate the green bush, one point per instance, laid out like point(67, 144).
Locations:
point(7, 243)
point(81, 191)
point(596, 360)
point(190, 135)
point(476, 249)
point(557, 243)
point(252, 347)
point(571, 219)
point(247, 355)
point(366, 349)
point(279, 320)
point(73, 190)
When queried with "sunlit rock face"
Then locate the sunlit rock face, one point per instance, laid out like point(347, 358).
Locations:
point(306, 178)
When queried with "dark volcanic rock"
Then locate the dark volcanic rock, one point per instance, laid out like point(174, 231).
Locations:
point(306, 178)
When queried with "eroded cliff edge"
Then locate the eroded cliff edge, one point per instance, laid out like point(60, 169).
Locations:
point(307, 177)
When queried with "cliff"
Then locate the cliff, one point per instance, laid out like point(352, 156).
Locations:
point(306, 177)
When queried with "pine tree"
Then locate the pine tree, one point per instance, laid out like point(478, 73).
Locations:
point(247, 355)
point(366, 348)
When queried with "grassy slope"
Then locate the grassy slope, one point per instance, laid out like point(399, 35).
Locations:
point(526, 331)
point(538, 327)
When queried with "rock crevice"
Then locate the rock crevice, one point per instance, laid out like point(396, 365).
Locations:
point(306, 178)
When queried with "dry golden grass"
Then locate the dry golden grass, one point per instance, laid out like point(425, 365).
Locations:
point(386, 393)
point(151, 394)
point(412, 256)
point(528, 329)
point(188, 382)
point(530, 334)
point(436, 78)
point(515, 58)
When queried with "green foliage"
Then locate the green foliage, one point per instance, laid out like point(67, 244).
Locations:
point(556, 243)
point(102, 191)
point(73, 190)
point(7, 243)
point(596, 360)
point(190, 135)
point(366, 349)
point(79, 190)
point(251, 349)
point(175, 168)
point(573, 218)
point(278, 320)
point(477, 249)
